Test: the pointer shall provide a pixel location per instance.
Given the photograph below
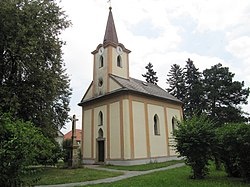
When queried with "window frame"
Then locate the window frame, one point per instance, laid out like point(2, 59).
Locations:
point(119, 61)
point(156, 125)
point(100, 119)
point(174, 121)
point(101, 62)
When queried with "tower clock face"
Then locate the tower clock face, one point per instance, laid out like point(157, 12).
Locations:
point(101, 50)
point(119, 50)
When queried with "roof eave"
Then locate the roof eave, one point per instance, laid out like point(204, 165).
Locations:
point(122, 90)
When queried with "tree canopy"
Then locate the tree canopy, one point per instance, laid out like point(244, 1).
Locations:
point(223, 95)
point(213, 91)
point(176, 82)
point(193, 101)
point(33, 83)
point(150, 75)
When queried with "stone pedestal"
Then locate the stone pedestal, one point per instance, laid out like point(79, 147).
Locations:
point(74, 156)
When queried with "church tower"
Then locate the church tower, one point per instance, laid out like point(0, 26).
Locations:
point(110, 57)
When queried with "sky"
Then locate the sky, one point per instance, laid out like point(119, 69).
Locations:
point(163, 32)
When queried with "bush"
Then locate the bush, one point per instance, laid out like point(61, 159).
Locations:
point(194, 140)
point(67, 144)
point(20, 144)
point(244, 154)
point(228, 149)
point(52, 156)
point(234, 143)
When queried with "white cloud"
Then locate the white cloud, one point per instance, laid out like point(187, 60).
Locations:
point(216, 15)
point(240, 47)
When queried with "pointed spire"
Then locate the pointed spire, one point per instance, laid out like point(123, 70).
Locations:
point(110, 33)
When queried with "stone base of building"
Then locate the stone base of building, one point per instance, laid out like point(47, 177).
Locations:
point(132, 162)
point(88, 161)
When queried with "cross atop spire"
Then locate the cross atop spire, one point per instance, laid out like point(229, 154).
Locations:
point(110, 33)
point(109, 1)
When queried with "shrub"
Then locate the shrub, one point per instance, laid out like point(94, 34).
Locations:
point(194, 140)
point(228, 149)
point(234, 141)
point(67, 144)
point(52, 156)
point(20, 145)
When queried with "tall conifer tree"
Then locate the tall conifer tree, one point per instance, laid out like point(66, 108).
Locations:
point(193, 102)
point(150, 75)
point(176, 82)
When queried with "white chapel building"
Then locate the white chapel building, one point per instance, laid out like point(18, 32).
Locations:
point(125, 121)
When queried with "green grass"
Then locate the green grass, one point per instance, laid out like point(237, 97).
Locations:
point(145, 167)
point(178, 177)
point(61, 176)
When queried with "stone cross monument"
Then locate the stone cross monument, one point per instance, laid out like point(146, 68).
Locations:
point(74, 159)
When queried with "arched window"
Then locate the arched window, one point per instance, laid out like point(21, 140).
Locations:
point(100, 119)
point(100, 133)
point(156, 125)
point(101, 62)
point(119, 61)
point(174, 121)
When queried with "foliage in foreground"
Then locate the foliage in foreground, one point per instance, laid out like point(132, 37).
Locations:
point(194, 141)
point(67, 144)
point(234, 149)
point(20, 145)
point(198, 141)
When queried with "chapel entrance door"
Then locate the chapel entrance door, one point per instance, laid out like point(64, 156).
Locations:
point(101, 151)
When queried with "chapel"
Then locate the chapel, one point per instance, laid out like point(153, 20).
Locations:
point(125, 121)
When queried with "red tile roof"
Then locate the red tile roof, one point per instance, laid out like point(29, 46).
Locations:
point(78, 135)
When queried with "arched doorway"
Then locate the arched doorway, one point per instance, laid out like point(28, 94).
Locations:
point(100, 146)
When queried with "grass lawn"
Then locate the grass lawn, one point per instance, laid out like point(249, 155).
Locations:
point(61, 176)
point(178, 177)
point(145, 167)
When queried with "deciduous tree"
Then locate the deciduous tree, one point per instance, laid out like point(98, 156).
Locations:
point(33, 83)
point(223, 95)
